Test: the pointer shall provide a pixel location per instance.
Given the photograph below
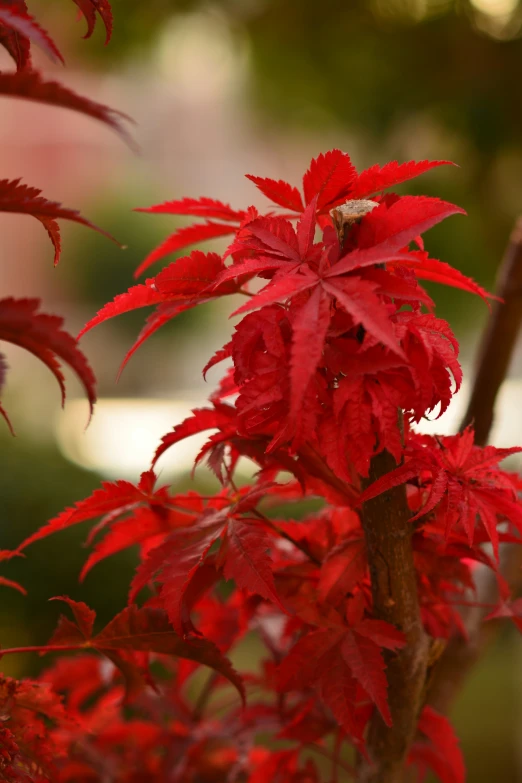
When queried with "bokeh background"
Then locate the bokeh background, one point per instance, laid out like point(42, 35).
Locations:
point(217, 90)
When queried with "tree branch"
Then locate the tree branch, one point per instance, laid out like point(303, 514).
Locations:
point(388, 531)
point(498, 341)
point(494, 357)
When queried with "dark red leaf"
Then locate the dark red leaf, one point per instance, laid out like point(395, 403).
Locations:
point(32, 86)
point(89, 9)
point(42, 335)
point(247, 561)
point(17, 29)
point(23, 199)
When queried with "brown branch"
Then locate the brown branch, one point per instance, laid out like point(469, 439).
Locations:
point(388, 531)
point(498, 340)
point(494, 357)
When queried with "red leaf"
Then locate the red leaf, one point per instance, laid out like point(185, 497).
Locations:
point(382, 633)
point(84, 615)
point(24, 26)
point(149, 630)
point(146, 630)
point(446, 758)
point(426, 268)
point(198, 207)
point(176, 561)
point(112, 497)
point(247, 562)
point(41, 334)
point(400, 223)
point(343, 568)
point(164, 313)
point(279, 192)
point(201, 420)
point(18, 46)
point(306, 229)
point(278, 290)
point(89, 8)
point(309, 330)
point(188, 235)
point(378, 178)
point(246, 269)
point(272, 239)
point(23, 199)
point(142, 295)
point(366, 663)
point(330, 178)
point(359, 299)
point(32, 86)
point(141, 526)
point(189, 276)
point(9, 583)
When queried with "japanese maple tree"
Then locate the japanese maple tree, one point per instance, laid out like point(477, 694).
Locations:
point(338, 355)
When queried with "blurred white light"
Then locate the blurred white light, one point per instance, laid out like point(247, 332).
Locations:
point(198, 55)
point(124, 434)
point(495, 8)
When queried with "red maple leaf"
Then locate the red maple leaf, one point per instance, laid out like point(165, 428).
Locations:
point(242, 556)
point(439, 750)
point(32, 86)
point(23, 199)
point(132, 631)
point(463, 483)
point(18, 29)
point(340, 662)
point(89, 9)
point(42, 335)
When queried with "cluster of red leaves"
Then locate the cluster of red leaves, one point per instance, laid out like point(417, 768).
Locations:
point(20, 323)
point(334, 343)
point(336, 339)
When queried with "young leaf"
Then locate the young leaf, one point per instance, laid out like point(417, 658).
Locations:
point(330, 178)
point(279, 192)
point(377, 178)
point(202, 419)
point(401, 222)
